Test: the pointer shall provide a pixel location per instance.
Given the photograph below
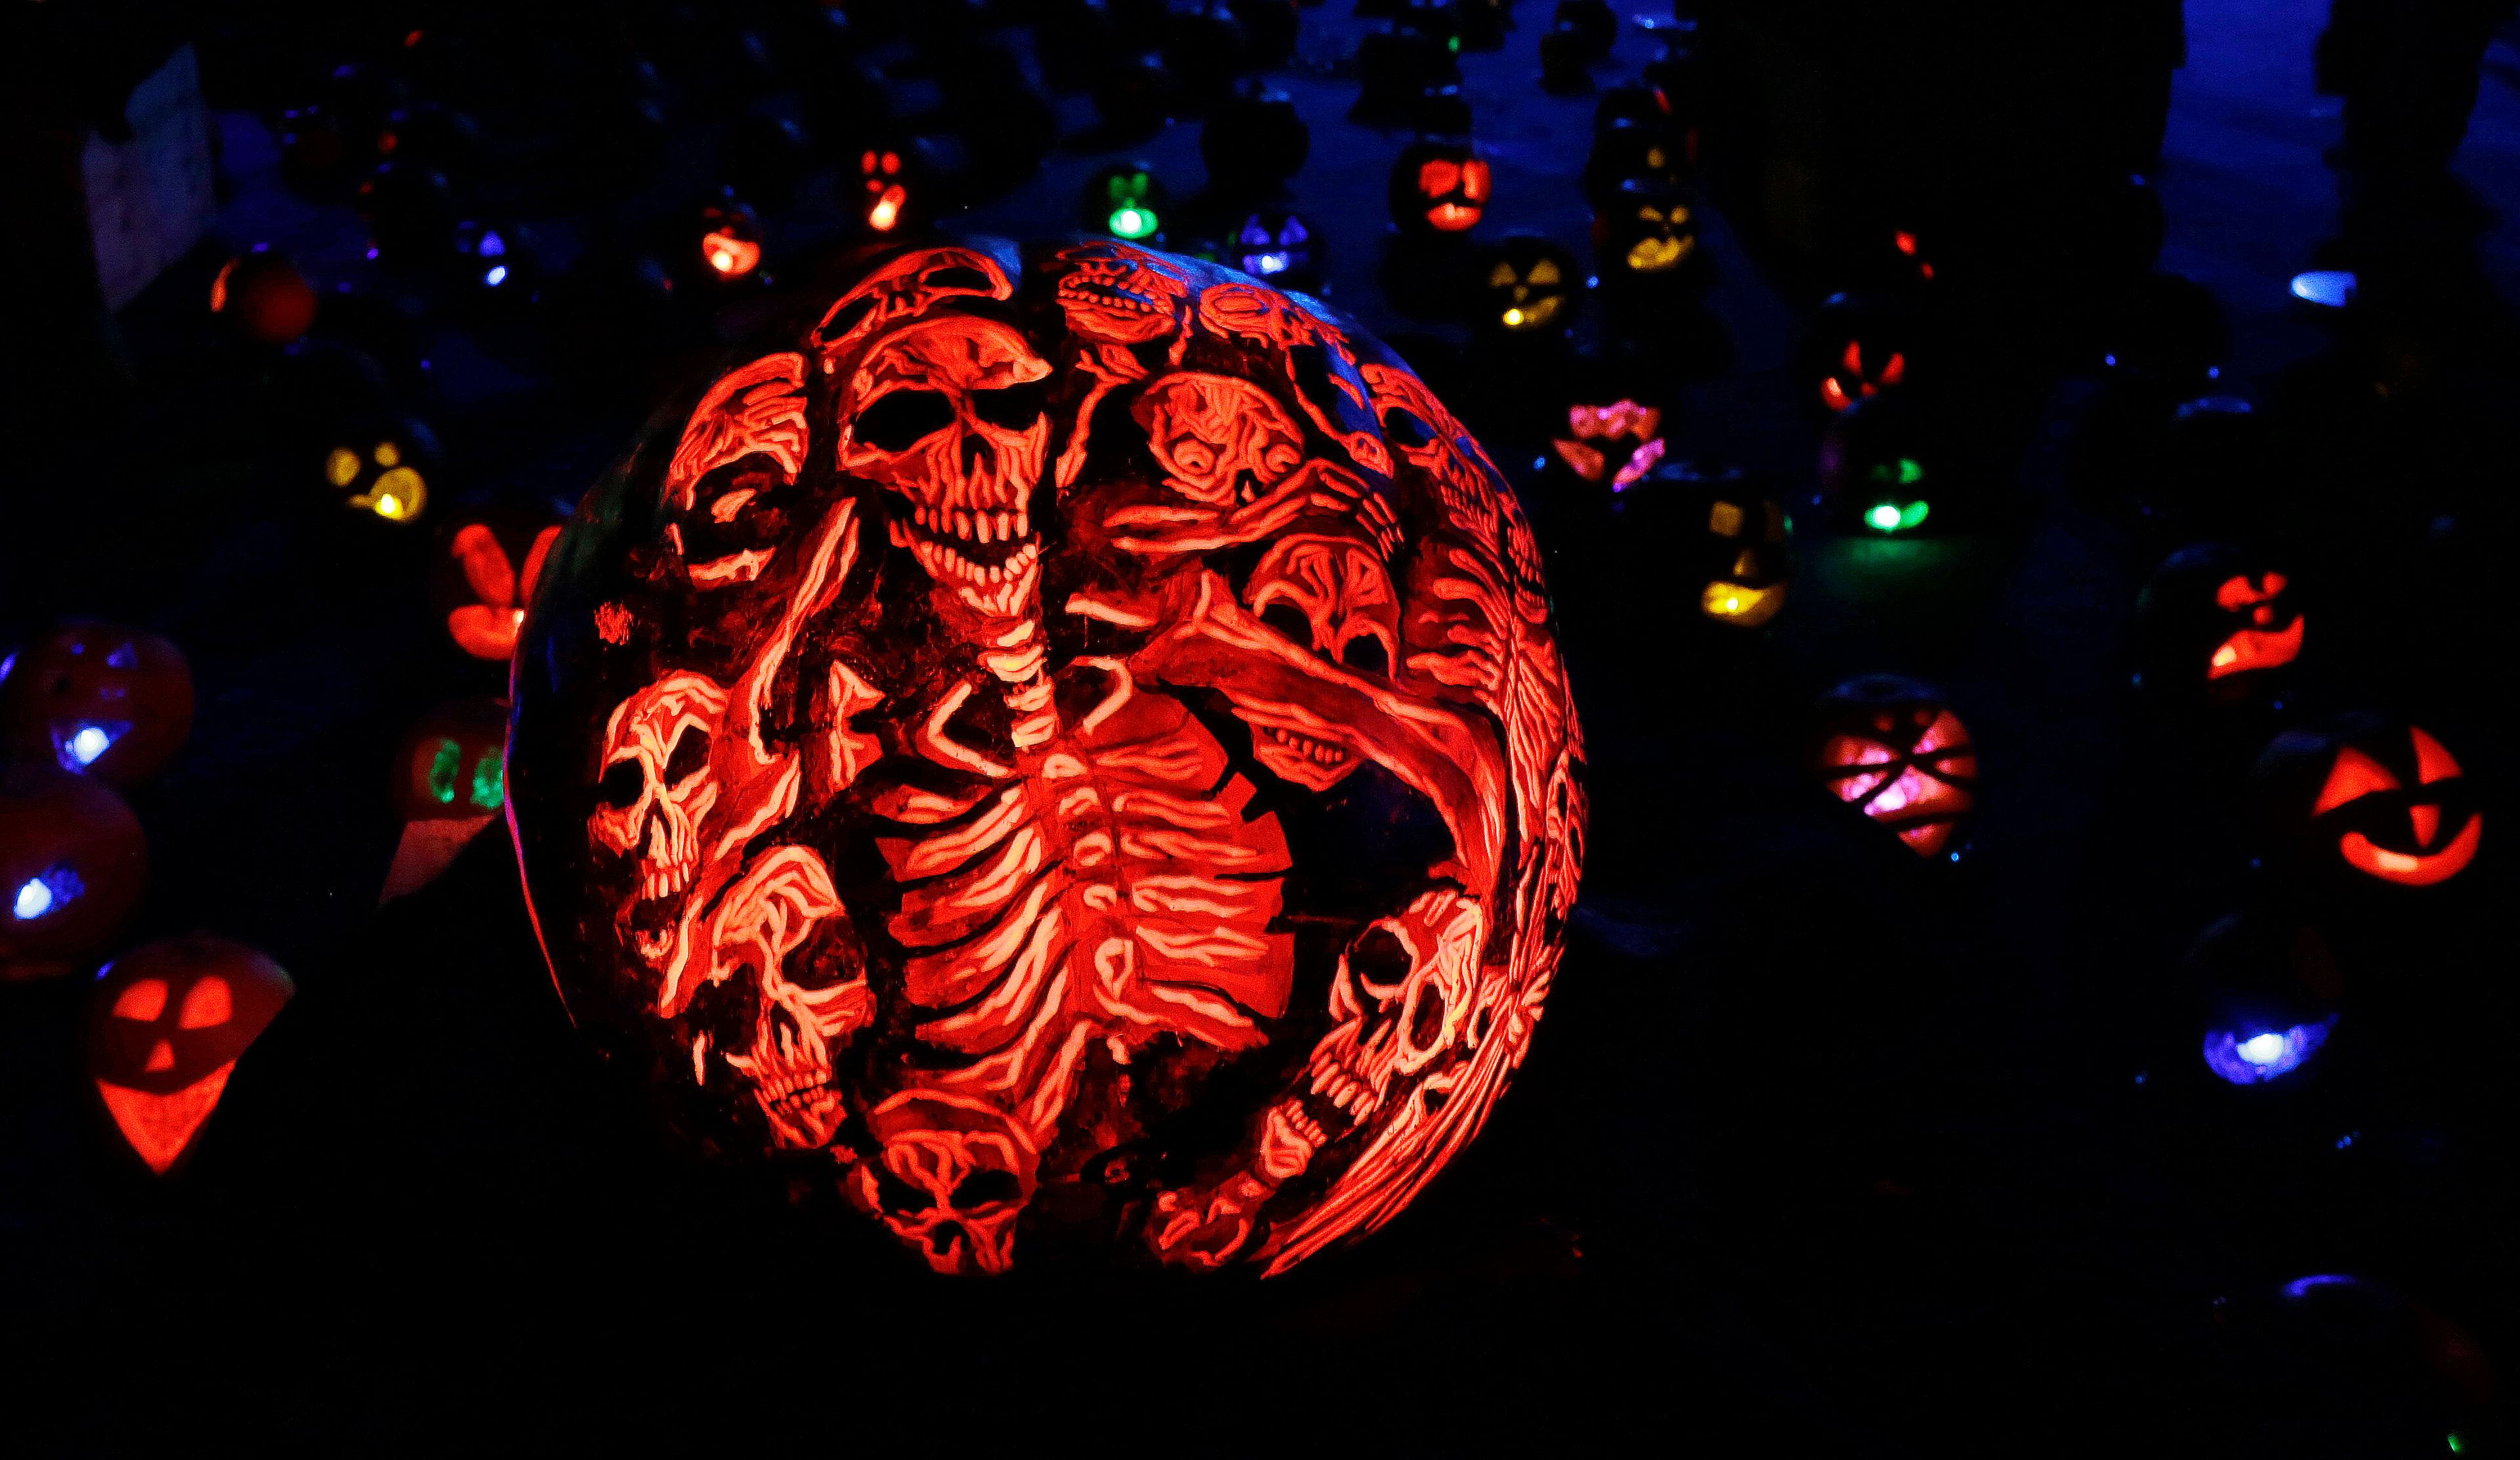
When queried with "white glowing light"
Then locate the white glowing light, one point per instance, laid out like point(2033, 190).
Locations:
point(497, 275)
point(34, 899)
point(2262, 1049)
point(88, 743)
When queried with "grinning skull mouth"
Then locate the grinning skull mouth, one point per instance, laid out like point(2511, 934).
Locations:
point(1291, 755)
point(993, 557)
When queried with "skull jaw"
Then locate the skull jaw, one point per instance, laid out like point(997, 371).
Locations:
point(1293, 755)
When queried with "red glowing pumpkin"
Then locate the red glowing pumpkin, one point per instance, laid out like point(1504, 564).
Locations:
point(487, 564)
point(2216, 626)
point(72, 865)
point(1105, 772)
point(167, 1024)
point(1894, 751)
point(2380, 797)
point(99, 699)
point(1439, 187)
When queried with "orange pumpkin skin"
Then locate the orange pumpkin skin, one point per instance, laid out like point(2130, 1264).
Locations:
point(101, 699)
point(2368, 802)
point(72, 866)
point(1078, 749)
point(167, 1024)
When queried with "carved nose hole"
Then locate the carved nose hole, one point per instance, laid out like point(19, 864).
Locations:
point(1289, 620)
point(1017, 407)
point(1427, 1016)
point(981, 1188)
point(691, 755)
point(942, 1239)
point(1364, 654)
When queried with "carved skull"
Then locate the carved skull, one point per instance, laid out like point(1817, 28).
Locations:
point(1218, 438)
point(1404, 994)
point(948, 413)
point(1116, 295)
point(907, 287)
point(801, 1015)
point(657, 785)
point(952, 1178)
point(1331, 594)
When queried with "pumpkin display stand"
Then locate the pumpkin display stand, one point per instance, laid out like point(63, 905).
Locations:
point(1073, 748)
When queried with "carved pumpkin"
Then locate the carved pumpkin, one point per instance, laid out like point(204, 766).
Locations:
point(261, 294)
point(2272, 995)
point(1529, 289)
point(2216, 626)
point(1125, 200)
point(1628, 152)
point(1856, 349)
point(167, 1024)
point(1127, 785)
point(487, 563)
point(1610, 443)
point(2369, 799)
point(1643, 234)
point(1893, 749)
point(382, 466)
point(892, 192)
point(1439, 187)
point(72, 865)
point(1722, 528)
point(452, 764)
point(97, 698)
point(1881, 471)
point(1277, 247)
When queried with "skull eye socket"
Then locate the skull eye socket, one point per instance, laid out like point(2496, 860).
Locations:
point(621, 785)
point(1015, 407)
point(690, 758)
point(896, 1194)
point(981, 1188)
point(903, 419)
point(1406, 430)
point(207, 1006)
point(1366, 655)
point(1380, 961)
point(1427, 1019)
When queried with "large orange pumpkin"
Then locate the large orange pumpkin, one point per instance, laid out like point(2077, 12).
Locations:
point(1077, 747)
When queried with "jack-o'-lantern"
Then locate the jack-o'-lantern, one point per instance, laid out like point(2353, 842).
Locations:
point(451, 766)
point(97, 698)
point(492, 264)
point(1277, 247)
point(1856, 349)
point(1610, 443)
point(892, 190)
point(2368, 799)
point(383, 466)
point(1720, 527)
point(1881, 469)
point(1646, 233)
point(1124, 791)
point(725, 247)
point(1439, 188)
point(1125, 200)
point(167, 1024)
point(1892, 748)
point(261, 294)
point(2216, 626)
point(2271, 993)
point(72, 865)
point(1252, 144)
point(1529, 288)
point(486, 565)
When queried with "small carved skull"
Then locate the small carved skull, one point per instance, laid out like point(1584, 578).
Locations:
point(657, 785)
point(952, 1178)
point(1218, 438)
point(946, 412)
point(1404, 994)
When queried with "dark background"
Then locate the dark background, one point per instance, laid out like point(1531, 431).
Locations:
point(1821, 1150)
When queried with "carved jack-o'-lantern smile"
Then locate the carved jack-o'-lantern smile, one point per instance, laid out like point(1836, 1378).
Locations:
point(384, 478)
point(1623, 431)
point(2261, 645)
point(961, 839)
point(1752, 588)
point(1901, 757)
point(2366, 794)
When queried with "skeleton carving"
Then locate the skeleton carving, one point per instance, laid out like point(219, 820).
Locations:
point(973, 887)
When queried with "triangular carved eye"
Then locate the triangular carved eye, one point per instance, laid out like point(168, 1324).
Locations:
point(207, 1006)
point(2352, 777)
point(2433, 759)
point(143, 1002)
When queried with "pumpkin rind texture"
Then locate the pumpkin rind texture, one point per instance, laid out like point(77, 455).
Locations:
point(1073, 745)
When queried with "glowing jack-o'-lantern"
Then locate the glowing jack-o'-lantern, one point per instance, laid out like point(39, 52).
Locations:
point(888, 189)
point(167, 1024)
point(1857, 350)
point(2375, 797)
point(2217, 626)
point(1880, 467)
point(1617, 443)
point(1645, 232)
point(1277, 247)
point(1893, 749)
point(383, 470)
point(984, 817)
point(2272, 991)
point(1528, 290)
point(1739, 533)
point(72, 865)
point(451, 766)
point(100, 699)
point(730, 243)
point(1439, 187)
point(486, 568)
point(1126, 201)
